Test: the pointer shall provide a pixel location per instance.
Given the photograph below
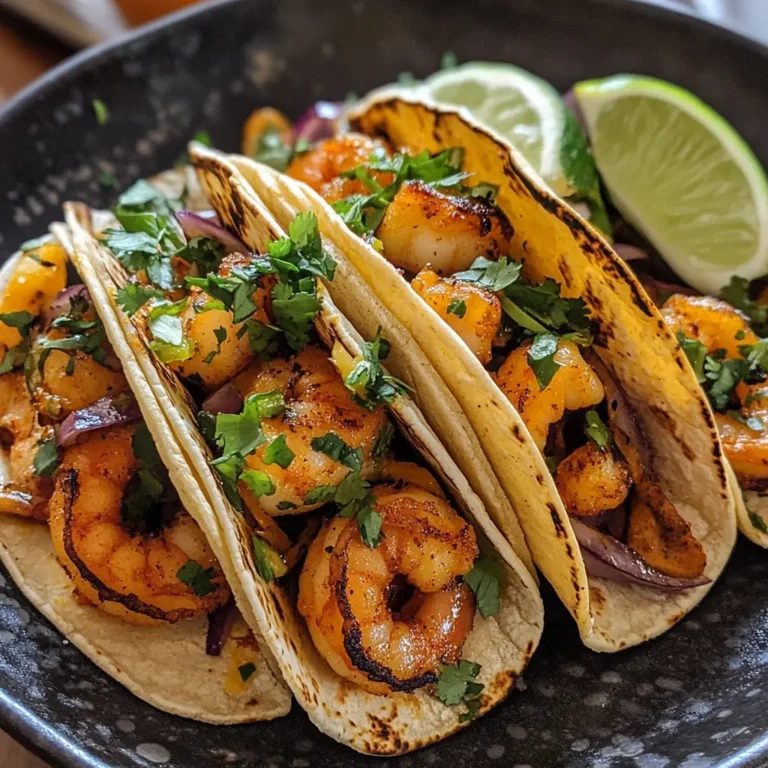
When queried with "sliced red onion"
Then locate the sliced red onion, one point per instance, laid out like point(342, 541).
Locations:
point(103, 413)
point(226, 399)
point(613, 521)
point(62, 302)
point(319, 121)
point(630, 252)
point(220, 623)
point(607, 558)
point(195, 225)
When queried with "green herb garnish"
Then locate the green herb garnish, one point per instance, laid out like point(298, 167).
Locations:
point(46, 458)
point(198, 578)
point(457, 684)
point(484, 580)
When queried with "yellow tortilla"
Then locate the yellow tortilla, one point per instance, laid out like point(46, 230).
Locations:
point(165, 665)
point(632, 339)
point(370, 723)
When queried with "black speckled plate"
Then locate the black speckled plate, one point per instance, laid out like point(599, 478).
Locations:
point(697, 697)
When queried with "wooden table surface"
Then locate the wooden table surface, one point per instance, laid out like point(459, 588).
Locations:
point(25, 54)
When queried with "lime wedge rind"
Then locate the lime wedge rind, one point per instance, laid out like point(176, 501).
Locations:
point(712, 238)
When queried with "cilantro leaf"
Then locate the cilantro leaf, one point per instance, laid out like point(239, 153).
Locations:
point(221, 334)
point(229, 469)
point(696, 352)
point(46, 458)
point(484, 580)
point(320, 495)
point(259, 483)
point(757, 521)
point(736, 293)
point(383, 441)
point(335, 448)
point(132, 297)
point(101, 111)
point(457, 684)
point(541, 358)
point(369, 524)
point(492, 275)
point(269, 564)
point(597, 430)
point(272, 150)
point(246, 671)
point(279, 453)
point(198, 578)
point(457, 307)
point(21, 320)
point(240, 433)
point(294, 313)
point(368, 379)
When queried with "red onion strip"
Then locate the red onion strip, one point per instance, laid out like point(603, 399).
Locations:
point(220, 623)
point(226, 399)
point(103, 413)
point(194, 225)
point(319, 121)
point(607, 558)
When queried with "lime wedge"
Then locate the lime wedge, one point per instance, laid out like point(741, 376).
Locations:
point(532, 116)
point(681, 175)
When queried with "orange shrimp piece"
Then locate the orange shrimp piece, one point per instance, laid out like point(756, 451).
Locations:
point(479, 314)
point(346, 588)
point(575, 385)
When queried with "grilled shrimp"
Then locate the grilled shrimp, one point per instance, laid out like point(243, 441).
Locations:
point(716, 324)
point(711, 321)
point(591, 481)
point(423, 226)
point(316, 403)
point(386, 618)
point(214, 361)
point(321, 167)
point(575, 385)
point(131, 576)
point(26, 493)
point(40, 274)
point(475, 313)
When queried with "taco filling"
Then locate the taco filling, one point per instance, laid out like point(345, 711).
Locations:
point(452, 244)
point(384, 571)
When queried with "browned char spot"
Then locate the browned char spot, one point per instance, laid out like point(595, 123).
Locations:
point(559, 527)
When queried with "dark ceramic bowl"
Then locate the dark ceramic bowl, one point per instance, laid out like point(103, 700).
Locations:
point(694, 698)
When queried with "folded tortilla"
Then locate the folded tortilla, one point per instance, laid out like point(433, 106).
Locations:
point(376, 724)
point(165, 665)
point(632, 339)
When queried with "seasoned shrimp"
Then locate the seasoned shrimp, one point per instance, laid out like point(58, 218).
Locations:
point(475, 315)
point(591, 481)
point(40, 274)
point(746, 448)
point(423, 226)
point(26, 493)
point(214, 361)
point(133, 577)
point(711, 321)
point(321, 167)
point(61, 392)
point(316, 403)
point(347, 591)
point(575, 385)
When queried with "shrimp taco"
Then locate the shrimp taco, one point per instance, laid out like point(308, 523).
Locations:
point(395, 609)
point(578, 392)
point(91, 526)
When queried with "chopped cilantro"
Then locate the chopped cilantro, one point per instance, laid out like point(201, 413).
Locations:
point(294, 312)
point(230, 468)
point(240, 433)
point(286, 505)
point(278, 452)
point(21, 320)
point(268, 561)
point(696, 352)
point(457, 307)
point(456, 684)
point(203, 137)
point(272, 150)
point(369, 524)
point(107, 179)
point(484, 580)
point(335, 448)
point(46, 458)
point(736, 293)
point(246, 671)
point(221, 334)
point(320, 495)
point(258, 483)
point(145, 495)
point(383, 441)
point(485, 191)
point(133, 297)
point(368, 379)
point(101, 111)
point(757, 521)
point(597, 430)
point(492, 275)
point(541, 358)
point(198, 578)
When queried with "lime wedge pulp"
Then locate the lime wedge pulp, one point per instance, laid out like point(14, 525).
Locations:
point(681, 175)
point(532, 116)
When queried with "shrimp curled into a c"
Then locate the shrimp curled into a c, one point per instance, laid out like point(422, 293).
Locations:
point(133, 577)
point(348, 592)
